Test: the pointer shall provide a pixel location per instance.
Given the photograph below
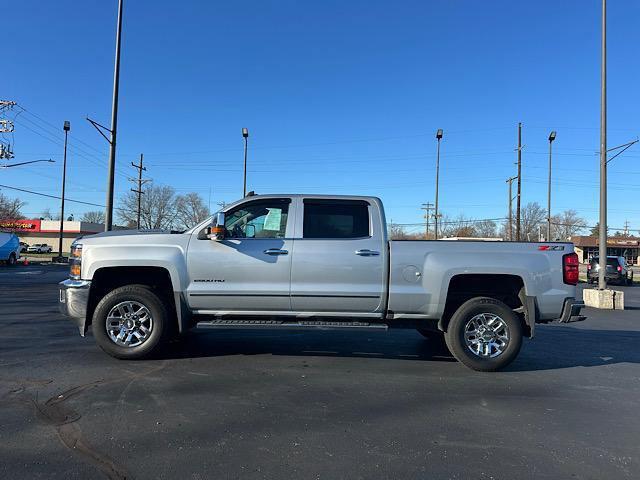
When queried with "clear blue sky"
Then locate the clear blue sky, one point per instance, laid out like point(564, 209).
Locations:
point(339, 97)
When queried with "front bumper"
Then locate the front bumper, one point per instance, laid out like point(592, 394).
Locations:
point(571, 311)
point(73, 301)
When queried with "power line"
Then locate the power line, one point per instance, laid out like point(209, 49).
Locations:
point(49, 196)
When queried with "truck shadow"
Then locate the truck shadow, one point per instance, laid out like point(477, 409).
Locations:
point(403, 345)
point(554, 347)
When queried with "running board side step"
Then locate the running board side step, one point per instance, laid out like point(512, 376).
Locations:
point(289, 324)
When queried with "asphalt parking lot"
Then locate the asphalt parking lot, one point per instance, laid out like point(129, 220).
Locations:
point(234, 404)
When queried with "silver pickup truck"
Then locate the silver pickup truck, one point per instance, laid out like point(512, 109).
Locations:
point(314, 261)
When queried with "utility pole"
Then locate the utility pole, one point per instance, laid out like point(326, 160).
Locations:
point(626, 228)
point(427, 207)
point(66, 127)
point(140, 182)
point(510, 214)
point(108, 224)
point(6, 126)
point(519, 181)
point(602, 250)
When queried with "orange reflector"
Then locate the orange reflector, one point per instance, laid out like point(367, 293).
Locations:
point(74, 271)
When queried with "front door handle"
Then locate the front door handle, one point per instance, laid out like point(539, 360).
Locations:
point(276, 251)
point(367, 253)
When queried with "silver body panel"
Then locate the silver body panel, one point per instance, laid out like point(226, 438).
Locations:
point(437, 262)
point(325, 277)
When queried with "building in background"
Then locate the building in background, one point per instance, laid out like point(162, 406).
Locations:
point(48, 231)
point(627, 247)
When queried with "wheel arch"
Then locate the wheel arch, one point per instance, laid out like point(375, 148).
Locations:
point(106, 279)
point(509, 289)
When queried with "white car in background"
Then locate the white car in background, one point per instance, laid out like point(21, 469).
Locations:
point(39, 248)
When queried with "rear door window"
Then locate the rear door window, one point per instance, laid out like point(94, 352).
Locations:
point(336, 219)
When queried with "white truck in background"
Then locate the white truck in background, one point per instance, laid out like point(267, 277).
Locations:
point(314, 261)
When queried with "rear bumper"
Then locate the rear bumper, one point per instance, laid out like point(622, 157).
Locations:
point(610, 277)
point(571, 311)
point(73, 300)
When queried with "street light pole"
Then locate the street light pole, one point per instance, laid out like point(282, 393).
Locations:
point(66, 127)
point(245, 135)
point(439, 134)
point(552, 137)
point(108, 217)
point(602, 250)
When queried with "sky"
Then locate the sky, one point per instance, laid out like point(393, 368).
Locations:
point(339, 98)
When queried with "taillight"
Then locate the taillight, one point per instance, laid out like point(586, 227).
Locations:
point(570, 273)
point(589, 266)
point(619, 268)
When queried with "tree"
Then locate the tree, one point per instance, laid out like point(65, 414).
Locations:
point(94, 216)
point(190, 210)
point(486, 229)
point(566, 225)
point(595, 230)
point(158, 208)
point(396, 232)
point(47, 215)
point(10, 208)
point(532, 217)
point(461, 226)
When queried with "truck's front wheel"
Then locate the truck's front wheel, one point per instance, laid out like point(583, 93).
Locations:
point(484, 334)
point(130, 322)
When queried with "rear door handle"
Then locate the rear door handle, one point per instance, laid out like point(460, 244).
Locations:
point(367, 253)
point(276, 251)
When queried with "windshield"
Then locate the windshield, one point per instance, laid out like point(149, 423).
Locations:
point(611, 262)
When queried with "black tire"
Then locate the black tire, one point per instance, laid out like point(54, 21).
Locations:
point(160, 315)
point(455, 335)
point(12, 260)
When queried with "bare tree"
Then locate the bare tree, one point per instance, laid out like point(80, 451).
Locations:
point(10, 208)
point(566, 225)
point(486, 228)
point(94, 216)
point(47, 215)
point(158, 208)
point(396, 232)
point(533, 216)
point(461, 226)
point(190, 210)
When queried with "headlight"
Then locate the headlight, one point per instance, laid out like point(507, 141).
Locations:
point(75, 261)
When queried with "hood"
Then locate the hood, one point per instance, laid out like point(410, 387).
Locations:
point(115, 237)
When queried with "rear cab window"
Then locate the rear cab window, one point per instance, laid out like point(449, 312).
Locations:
point(611, 262)
point(336, 219)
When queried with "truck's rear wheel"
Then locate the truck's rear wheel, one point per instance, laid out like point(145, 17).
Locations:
point(484, 334)
point(12, 260)
point(131, 322)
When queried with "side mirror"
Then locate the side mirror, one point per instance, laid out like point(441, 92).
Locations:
point(218, 231)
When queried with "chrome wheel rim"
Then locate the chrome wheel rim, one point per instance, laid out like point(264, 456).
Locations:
point(129, 324)
point(486, 335)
